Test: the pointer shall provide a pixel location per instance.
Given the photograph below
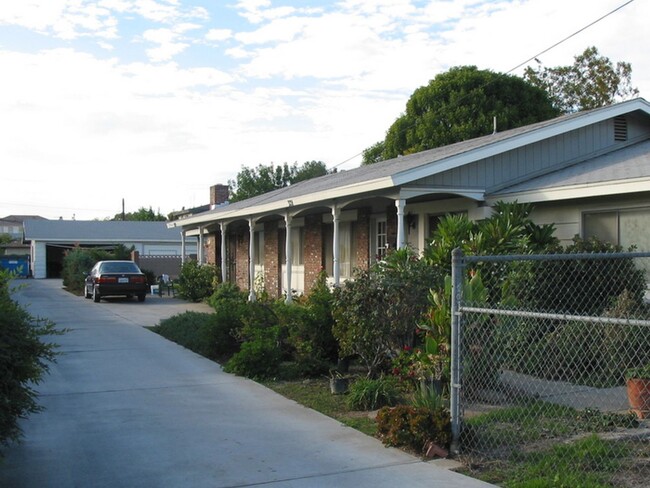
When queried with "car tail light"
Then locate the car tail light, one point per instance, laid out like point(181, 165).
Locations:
point(137, 279)
point(106, 279)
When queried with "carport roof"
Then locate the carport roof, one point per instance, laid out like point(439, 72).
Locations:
point(96, 230)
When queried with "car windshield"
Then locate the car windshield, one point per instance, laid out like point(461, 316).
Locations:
point(119, 267)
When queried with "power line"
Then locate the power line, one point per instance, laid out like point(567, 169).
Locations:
point(524, 62)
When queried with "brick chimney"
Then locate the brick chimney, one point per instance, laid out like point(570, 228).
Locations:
point(219, 194)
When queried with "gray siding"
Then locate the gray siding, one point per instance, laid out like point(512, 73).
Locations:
point(538, 158)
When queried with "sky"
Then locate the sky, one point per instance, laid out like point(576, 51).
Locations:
point(151, 102)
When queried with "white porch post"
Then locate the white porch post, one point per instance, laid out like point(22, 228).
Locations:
point(289, 256)
point(336, 250)
point(200, 250)
point(401, 240)
point(224, 262)
point(251, 260)
point(182, 248)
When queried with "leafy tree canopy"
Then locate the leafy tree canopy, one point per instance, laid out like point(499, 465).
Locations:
point(251, 182)
point(592, 81)
point(461, 104)
point(142, 215)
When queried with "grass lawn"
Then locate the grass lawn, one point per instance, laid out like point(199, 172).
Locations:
point(315, 394)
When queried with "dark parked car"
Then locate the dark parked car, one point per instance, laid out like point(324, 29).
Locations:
point(116, 278)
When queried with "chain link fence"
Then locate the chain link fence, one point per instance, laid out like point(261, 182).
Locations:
point(543, 348)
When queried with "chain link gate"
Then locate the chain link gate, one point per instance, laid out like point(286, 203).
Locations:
point(541, 348)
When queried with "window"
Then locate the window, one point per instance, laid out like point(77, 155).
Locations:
point(258, 248)
point(347, 249)
point(381, 239)
point(622, 227)
point(297, 242)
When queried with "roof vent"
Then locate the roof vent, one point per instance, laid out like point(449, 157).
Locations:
point(620, 129)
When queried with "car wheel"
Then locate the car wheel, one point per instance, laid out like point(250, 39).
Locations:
point(96, 296)
point(141, 297)
point(87, 294)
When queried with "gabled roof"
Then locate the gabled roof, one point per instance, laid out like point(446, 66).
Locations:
point(99, 231)
point(406, 169)
point(626, 170)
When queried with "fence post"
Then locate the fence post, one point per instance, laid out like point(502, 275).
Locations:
point(457, 267)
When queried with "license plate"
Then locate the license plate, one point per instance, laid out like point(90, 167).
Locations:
point(122, 280)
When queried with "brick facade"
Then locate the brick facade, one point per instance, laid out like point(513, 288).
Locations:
point(313, 252)
point(272, 265)
point(241, 236)
point(362, 235)
point(219, 194)
point(211, 243)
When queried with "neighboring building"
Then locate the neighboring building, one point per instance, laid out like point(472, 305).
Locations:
point(50, 239)
point(588, 173)
point(13, 225)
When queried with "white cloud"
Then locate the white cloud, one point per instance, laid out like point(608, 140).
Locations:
point(170, 41)
point(218, 35)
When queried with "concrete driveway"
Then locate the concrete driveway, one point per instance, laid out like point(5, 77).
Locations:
point(126, 408)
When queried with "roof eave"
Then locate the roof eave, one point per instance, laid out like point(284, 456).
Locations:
point(282, 206)
point(584, 190)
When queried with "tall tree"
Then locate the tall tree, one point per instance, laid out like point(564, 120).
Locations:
point(461, 104)
point(592, 81)
point(142, 215)
point(264, 178)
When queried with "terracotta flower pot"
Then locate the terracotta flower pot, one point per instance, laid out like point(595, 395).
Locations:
point(638, 394)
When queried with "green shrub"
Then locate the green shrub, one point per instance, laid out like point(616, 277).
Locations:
point(575, 286)
point(259, 358)
point(371, 394)
point(405, 426)
point(427, 396)
point(196, 282)
point(308, 325)
point(77, 263)
point(377, 313)
point(226, 291)
point(210, 335)
point(24, 360)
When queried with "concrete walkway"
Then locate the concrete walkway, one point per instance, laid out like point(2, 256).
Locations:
point(126, 408)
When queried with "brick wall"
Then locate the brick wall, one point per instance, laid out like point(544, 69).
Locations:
point(242, 275)
point(219, 194)
point(210, 248)
point(272, 265)
point(313, 253)
point(362, 233)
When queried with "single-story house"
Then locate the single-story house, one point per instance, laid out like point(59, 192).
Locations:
point(49, 239)
point(588, 173)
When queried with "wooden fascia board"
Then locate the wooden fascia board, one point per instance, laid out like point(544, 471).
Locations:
point(575, 191)
point(515, 142)
point(280, 207)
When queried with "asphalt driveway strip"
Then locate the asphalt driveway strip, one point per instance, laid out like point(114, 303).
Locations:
point(124, 407)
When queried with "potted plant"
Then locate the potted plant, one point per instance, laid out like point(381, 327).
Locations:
point(638, 390)
point(338, 383)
